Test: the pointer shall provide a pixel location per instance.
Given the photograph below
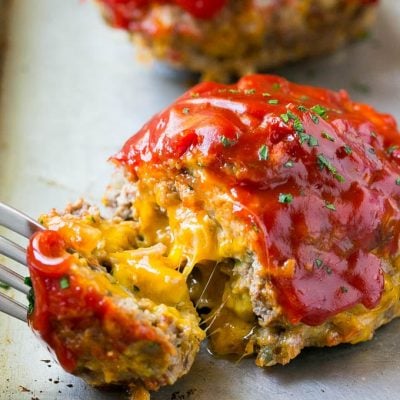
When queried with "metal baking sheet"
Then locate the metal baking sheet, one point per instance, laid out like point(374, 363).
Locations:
point(71, 93)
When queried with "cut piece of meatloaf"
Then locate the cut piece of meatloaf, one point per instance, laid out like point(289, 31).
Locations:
point(226, 38)
point(273, 206)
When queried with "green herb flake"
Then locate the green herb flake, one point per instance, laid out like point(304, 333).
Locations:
point(273, 101)
point(4, 285)
point(319, 110)
point(327, 136)
point(312, 141)
point(302, 108)
point(276, 86)
point(398, 181)
point(330, 206)
point(344, 289)
point(391, 149)
point(285, 198)
point(298, 126)
point(186, 110)
point(315, 119)
point(289, 164)
point(64, 282)
point(234, 91)
point(328, 270)
point(304, 98)
point(318, 263)
point(226, 142)
point(263, 152)
point(285, 118)
point(250, 91)
point(194, 94)
point(347, 150)
point(30, 296)
point(323, 162)
point(266, 94)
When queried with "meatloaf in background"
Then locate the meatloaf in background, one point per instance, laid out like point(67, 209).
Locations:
point(274, 206)
point(225, 38)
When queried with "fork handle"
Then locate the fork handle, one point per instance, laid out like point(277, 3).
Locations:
point(18, 221)
point(13, 308)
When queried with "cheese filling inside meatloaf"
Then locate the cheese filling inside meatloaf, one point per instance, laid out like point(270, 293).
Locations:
point(267, 208)
point(113, 312)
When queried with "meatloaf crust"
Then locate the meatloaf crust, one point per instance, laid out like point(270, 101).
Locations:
point(244, 36)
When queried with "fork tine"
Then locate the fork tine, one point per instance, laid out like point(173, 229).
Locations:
point(13, 308)
point(13, 279)
point(18, 221)
point(12, 250)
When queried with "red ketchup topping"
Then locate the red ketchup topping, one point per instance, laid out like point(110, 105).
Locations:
point(123, 13)
point(66, 301)
point(318, 173)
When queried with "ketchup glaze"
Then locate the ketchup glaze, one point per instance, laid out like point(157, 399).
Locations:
point(318, 173)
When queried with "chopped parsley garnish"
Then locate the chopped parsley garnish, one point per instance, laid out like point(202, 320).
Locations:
point(273, 101)
point(347, 149)
point(250, 91)
point(266, 94)
point(276, 86)
point(327, 136)
point(263, 152)
point(312, 141)
point(398, 181)
point(318, 263)
point(64, 282)
point(302, 108)
point(391, 149)
point(327, 269)
point(234, 91)
point(30, 296)
point(319, 110)
point(186, 110)
point(285, 118)
point(226, 142)
point(330, 206)
point(299, 129)
point(194, 94)
point(323, 162)
point(285, 198)
point(315, 119)
point(4, 285)
point(289, 164)
point(344, 289)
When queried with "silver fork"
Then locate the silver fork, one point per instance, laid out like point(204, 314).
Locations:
point(20, 223)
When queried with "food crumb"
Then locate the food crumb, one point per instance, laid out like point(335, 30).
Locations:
point(23, 389)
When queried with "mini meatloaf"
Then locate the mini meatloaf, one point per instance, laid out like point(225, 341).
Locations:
point(224, 38)
point(274, 206)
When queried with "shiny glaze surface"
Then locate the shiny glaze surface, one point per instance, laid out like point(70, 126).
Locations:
point(123, 13)
point(316, 174)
